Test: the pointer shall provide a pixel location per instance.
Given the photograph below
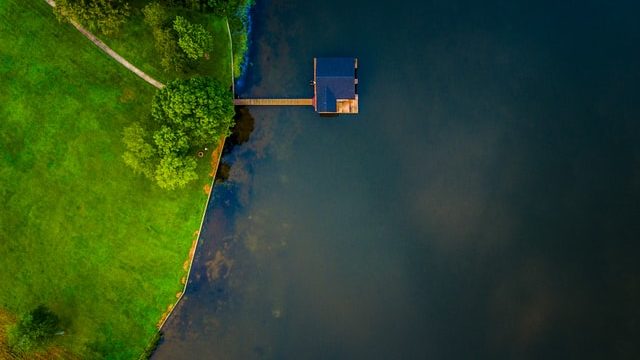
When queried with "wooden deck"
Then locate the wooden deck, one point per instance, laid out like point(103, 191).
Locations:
point(273, 102)
point(347, 106)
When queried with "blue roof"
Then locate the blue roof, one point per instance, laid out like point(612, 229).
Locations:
point(335, 67)
point(334, 80)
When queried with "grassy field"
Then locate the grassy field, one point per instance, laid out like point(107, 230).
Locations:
point(79, 232)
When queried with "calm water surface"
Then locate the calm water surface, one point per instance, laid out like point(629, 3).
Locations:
point(485, 203)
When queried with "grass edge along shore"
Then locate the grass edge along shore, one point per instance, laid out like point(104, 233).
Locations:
point(80, 233)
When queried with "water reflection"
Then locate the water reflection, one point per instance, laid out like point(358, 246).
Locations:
point(241, 132)
point(245, 123)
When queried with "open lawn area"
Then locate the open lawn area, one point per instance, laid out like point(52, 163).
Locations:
point(79, 232)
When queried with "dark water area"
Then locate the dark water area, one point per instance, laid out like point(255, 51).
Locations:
point(485, 203)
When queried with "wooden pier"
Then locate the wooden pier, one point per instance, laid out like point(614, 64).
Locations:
point(273, 102)
point(335, 88)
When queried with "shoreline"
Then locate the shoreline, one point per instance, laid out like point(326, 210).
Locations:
point(215, 165)
point(247, 15)
point(217, 155)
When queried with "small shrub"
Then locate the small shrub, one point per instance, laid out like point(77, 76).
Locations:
point(34, 330)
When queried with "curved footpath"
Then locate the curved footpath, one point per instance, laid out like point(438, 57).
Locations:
point(112, 53)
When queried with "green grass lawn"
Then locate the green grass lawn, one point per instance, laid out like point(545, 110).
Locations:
point(79, 232)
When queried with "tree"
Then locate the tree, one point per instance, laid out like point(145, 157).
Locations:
point(34, 329)
point(155, 15)
point(218, 7)
point(223, 7)
point(172, 57)
point(193, 39)
point(200, 107)
point(193, 4)
point(188, 114)
point(105, 16)
point(169, 141)
point(175, 171)
point(140, 155)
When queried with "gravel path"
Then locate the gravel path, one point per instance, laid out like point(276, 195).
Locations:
point(112, 53)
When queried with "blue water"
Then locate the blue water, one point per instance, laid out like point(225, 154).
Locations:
point(485, 203)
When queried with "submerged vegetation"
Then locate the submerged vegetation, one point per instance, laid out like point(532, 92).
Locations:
point(99, 245)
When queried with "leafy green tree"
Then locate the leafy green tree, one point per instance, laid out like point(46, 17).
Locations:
point(218, 7)
point(223, 7)
point(188, 113)
point(169, 141)
point(171, 56)
point(175, 171)
point(155, 15)
point(105, 16)
point(193, 39)
point(193, 4)
point(34, 329)
point(140, 155)
point(202, 108)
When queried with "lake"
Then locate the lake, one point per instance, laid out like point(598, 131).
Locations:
point(485, 203)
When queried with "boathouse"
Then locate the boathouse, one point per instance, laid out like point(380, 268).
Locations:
point(335, 89)
point(335, 85)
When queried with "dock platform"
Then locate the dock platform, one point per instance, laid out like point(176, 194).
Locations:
point(273, 102)
point(335, 88)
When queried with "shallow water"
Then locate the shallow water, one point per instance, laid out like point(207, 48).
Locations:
point(485, 203)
